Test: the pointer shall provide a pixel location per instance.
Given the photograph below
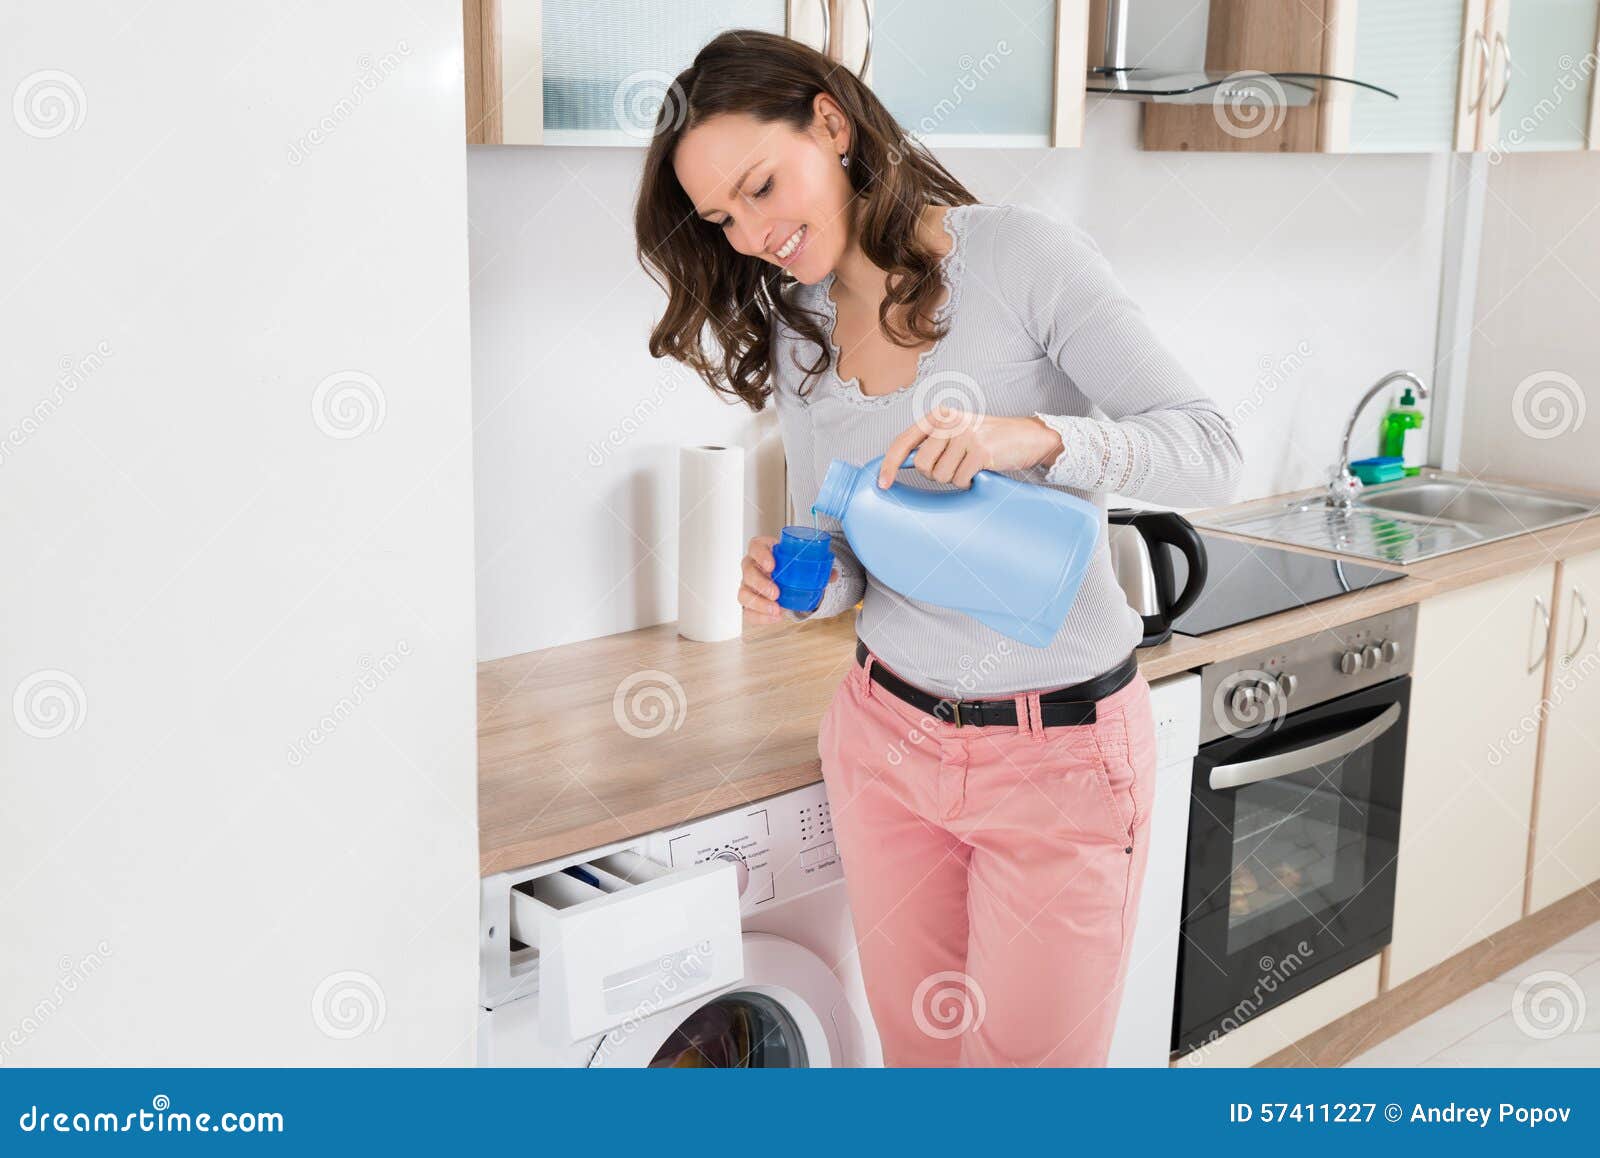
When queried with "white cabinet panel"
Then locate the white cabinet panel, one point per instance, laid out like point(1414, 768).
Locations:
point(1470, 750)
point(1566, 831)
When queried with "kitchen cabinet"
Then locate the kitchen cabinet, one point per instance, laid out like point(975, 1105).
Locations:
point(1541, 87)
point(1477, 678)
point(1410, 47)
point(1564, 853)
point(1471, 75)
point(956, 73)
point(1423, 50)
point(595, 72)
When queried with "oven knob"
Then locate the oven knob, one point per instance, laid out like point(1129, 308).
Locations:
point(1391, 651)
point(1350, 662)
point(1287, 682)
point(1370, 655)
point(1244, 699)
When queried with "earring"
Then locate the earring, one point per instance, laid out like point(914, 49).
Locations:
point(844, 160)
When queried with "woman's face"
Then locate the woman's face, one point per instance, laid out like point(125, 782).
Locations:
point(775, 193)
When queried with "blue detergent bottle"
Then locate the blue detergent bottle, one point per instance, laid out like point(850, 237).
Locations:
point(1010, 554)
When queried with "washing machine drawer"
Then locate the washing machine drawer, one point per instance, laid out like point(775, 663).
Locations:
point(621, 937)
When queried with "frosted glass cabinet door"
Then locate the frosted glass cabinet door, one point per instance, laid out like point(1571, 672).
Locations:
point(961, 72)
point(1413, 48)
point(596, 72)
point(1551, 45)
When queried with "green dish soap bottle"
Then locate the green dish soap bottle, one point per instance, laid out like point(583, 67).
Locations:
point(1401, 433)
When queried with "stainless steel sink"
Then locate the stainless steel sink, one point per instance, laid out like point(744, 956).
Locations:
point(1479, 504)
point(1430, 514)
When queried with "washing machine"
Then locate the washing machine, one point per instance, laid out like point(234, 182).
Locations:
point(722, 942)
point(727, 941)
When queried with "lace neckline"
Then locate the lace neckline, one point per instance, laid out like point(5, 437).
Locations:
point(950, 269)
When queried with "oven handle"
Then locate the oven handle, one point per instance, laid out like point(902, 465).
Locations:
point(1294, 760)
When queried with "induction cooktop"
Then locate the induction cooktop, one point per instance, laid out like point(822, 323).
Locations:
point(1249, 580)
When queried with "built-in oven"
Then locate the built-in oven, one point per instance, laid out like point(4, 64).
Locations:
point(1294, 820)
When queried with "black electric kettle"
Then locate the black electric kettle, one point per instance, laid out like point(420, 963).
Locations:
point(1141, 542)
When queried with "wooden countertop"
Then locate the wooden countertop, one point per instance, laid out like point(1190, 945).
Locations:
point(604, 740)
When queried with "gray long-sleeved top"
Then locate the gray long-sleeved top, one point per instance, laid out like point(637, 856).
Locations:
point(1038, 325)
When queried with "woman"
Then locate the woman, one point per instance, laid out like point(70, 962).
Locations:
point(989, 799)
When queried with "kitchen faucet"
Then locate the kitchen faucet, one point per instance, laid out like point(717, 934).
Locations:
point(1342, 487)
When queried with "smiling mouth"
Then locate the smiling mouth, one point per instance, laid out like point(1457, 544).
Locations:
point(792, 246)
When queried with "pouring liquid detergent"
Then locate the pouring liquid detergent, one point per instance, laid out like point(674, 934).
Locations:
point(1010, 554)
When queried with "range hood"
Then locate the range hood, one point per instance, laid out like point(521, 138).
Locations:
point(1155, 50)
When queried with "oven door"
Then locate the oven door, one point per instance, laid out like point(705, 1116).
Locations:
point(1293, 833)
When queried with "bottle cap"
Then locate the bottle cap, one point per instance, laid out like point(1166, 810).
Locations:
point(834, 492)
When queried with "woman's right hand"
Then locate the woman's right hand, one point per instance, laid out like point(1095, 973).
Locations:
point(758, 595)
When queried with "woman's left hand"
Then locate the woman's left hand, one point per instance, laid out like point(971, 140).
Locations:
point(953, 445)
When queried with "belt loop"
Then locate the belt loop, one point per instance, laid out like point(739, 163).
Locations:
point(866, 674)
point(1029, 709)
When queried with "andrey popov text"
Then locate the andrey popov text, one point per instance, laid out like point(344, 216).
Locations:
point(1449, 1113)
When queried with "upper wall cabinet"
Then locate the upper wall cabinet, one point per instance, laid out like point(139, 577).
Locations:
point(1413, 48)
point(1468, 74)
point(952, 72)
point(595, 72)
point(958, 73)
point(1542, 62)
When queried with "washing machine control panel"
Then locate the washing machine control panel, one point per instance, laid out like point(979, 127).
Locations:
point(784, 844)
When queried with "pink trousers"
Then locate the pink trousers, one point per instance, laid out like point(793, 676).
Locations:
point(993, 872)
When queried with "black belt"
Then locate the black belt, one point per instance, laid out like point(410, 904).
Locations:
point(1068, 705)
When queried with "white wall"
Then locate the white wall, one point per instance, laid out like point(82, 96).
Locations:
point(1288, 284)
point(1535, 361)
point(199, 575)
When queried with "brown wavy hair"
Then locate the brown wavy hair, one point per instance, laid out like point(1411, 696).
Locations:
point(711, 286)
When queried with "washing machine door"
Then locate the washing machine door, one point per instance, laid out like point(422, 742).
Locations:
point(779, 1015)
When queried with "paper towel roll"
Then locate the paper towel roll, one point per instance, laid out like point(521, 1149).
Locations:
point(711, 542)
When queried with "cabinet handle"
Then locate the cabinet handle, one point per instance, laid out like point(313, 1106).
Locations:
point(1505, 72)
point(1583, 609)
point(827, 24)
point(1480, 49)
point(866, 57)
point(1544, 635)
